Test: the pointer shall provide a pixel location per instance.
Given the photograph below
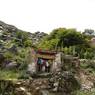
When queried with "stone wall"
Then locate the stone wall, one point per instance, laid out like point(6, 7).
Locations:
point(57, 63)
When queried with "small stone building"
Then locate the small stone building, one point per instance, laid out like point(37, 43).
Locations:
point(45, 61)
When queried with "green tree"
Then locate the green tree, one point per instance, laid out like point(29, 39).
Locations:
point(63, 37)
point(28, 43)
point(71, 37)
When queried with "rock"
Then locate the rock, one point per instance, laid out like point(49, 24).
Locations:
point(28, 93)
point(51, 80)
point(63, 81)
point(87, 86)
point(22, 88)
point(56, 84)
point(31, 69)
point(37, 88)
point(11, 65)
point(55, 89)
point(44, 92)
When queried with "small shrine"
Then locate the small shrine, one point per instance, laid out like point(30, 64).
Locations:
point(45, 61)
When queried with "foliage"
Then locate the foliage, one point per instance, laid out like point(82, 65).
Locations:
point(8, 55)
point(8, 74)
point(28, 43)
point(22, 39)
point(86, 93)
point(48, 44)
point(70, 41)
point(65, 37)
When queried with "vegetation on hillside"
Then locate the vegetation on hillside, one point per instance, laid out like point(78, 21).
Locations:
point(15, 49)
point(70, 41)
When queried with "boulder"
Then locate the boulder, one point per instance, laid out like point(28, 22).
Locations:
point(31, 69)
point(11, 65)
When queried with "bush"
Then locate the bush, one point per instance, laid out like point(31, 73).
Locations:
point(23, 75)
point(28, 43)
point(86, 93)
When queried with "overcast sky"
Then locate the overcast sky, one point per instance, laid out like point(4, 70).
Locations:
point(46, 15)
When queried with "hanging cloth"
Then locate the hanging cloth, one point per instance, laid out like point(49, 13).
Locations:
point(39, 61)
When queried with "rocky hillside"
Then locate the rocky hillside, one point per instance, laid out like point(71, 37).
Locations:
point(9, 31)
point(15, 43)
